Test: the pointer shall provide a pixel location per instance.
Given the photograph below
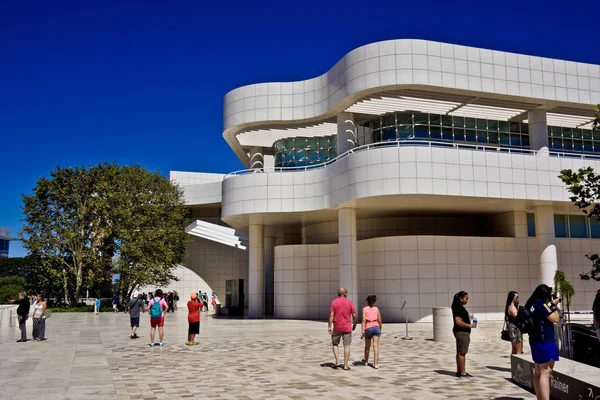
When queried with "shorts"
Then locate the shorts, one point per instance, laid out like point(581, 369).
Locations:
point(514, 333)
point(372, 331)
point(463, 339)
point(543, 352)
point(160, 322)
point(194, 328)
point(345, 336)
point(114, 306)
point(135, 322)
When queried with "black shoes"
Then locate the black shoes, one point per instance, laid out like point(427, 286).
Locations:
point(21, 341)
point(467, 375)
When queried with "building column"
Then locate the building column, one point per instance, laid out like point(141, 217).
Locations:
point(257, 160)
point(346, 132)
point(347, 251)
point(538, 130)
point(269, 260)
point(546, 241)
point(256, 272)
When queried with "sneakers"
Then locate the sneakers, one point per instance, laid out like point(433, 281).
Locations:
point(161, 344)
point(151, 344)
point(375, 366)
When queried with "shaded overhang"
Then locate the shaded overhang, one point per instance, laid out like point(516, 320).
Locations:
point(218, 233)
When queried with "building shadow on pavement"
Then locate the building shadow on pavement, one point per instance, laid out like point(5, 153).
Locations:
point(500, 369)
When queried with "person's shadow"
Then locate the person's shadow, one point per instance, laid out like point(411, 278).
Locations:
point(445, 372)
point(328, 365)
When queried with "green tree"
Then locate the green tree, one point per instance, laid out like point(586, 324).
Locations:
point(565, 289)
point(85, 219)
point(41, 275)
point(10, 287)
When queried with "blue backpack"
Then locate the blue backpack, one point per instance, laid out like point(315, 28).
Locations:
point(156, 309)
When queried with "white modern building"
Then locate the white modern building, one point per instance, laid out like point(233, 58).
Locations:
point(411, 170)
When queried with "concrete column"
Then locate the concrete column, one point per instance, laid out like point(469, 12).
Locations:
point(257, 160)
point(546, 240)
point(346, 132)
point(269, 260)
point(256, 272)
point(538, 130)
point(348, 252)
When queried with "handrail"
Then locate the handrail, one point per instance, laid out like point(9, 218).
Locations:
point(411, 142)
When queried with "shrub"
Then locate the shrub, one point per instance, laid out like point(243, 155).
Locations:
point(10, 287)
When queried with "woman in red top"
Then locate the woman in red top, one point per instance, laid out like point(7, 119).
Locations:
point(194, 306)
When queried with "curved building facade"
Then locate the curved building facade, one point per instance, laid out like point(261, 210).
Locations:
point(411, 170)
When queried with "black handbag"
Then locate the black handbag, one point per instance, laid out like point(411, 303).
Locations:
point(505, 334)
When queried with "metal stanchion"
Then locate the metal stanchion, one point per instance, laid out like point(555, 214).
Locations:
point(405, 320)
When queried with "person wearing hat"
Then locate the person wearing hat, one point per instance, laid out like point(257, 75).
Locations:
point(194, 306)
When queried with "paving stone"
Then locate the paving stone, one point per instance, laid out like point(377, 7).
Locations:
point(92, 357)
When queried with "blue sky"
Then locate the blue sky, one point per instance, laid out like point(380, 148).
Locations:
point(142, 82)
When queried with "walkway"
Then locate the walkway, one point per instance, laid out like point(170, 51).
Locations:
point(91, 357)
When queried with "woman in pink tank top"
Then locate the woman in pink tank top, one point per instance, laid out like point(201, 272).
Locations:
point(371, 329)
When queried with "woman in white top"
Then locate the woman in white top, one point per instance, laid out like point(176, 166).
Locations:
point(39, 319)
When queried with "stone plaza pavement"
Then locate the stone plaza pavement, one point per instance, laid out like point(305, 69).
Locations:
point(92, 357)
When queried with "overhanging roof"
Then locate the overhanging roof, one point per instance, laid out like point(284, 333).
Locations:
point(218, 233)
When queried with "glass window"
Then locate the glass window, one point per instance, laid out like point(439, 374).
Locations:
point(481, 124)
point(389, 134)
point(278, 159)
point(568, 144)
point(595, 227)
point(435, 119)
point(530, 225)
point(503, 126)
point(470, 135)
point(554, 130)
point(459, 122)
point(515, 140)
point(577, 133)
point(586, 134)
point(505, 139)
point(447, 134)
point(514, 127)
point(459, 135)
point(446, 120)
point(421, 118)
point(313, 143)
point(435, 132)
point(560, 226)
point(492, 125)
point(300, 156)
point(470, 123)
point(421, 131)
point(313, 156)
point(524, 127)
point(404, 118)
point(288, 144)
point(405, 131)
point(493, 137)
point(567, 132)
point(556, 143)
point(587, 146)
point(482, 137)
point(377, 123)
point(525, 141)
point(389, 120)
point(577, 145)
point(578, 226)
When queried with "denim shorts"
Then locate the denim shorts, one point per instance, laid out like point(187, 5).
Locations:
point(372, 331)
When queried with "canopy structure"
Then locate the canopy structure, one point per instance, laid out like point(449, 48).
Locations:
point(218, 233)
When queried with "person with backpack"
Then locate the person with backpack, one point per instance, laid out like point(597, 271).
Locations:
point(462, 332)
point(537, 319)
point(133, 308)
point(157, 307)
point(510, 318)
